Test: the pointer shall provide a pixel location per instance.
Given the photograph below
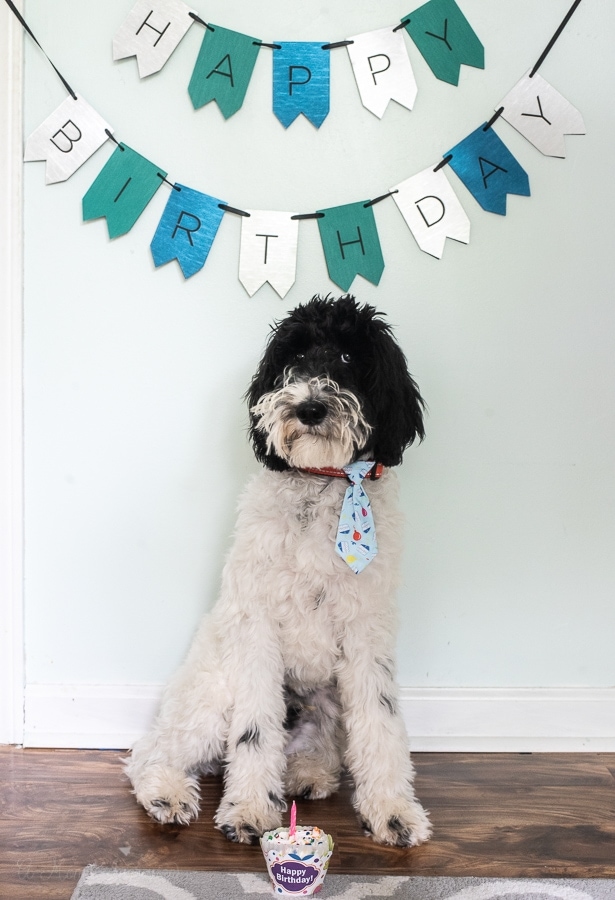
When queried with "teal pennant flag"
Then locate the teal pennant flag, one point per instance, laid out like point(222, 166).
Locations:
point(488, 169)
point(122, 190)
point(301, 78)
point(445, 38)
point(187, 229)
point(350, 242)
point(223, 69)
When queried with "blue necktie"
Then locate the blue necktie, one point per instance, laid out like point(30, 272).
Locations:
point(356, 534)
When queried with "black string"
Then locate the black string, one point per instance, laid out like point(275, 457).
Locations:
point(198, 19)
point(402, 25)
point(175, 187)
point(263, 44)
point(336, 45)
point(231, 209)
point(378, 199)
point(549, 46)
point(443, 162)
point(115, 141)
point(316, 215)
point(493, 118)
point(23, 22)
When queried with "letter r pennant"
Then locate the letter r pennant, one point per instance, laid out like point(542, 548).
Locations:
point(187, 229)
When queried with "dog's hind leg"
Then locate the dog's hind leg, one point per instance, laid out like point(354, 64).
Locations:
point(315, 742)
point(188, 737)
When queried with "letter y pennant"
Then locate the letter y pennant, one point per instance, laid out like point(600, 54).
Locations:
point(445, 38)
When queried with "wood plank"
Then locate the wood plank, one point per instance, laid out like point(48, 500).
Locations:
point(501, 815)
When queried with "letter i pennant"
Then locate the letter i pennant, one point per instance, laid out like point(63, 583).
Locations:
point(350, 242)
point(122, 190)
point(445, 38)
point(488, 169)
point(187, 229)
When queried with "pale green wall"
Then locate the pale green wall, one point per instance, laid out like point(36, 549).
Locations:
point(135, 428)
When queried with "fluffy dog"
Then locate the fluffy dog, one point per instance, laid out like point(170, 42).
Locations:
point(292, 675)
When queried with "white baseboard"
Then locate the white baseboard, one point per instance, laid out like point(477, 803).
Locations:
point(437, 719)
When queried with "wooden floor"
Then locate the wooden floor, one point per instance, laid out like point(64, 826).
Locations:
point(504, 815)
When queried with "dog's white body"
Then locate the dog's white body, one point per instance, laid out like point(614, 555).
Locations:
point(292, 675)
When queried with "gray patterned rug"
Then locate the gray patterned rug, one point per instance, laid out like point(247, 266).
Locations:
point(126, 884)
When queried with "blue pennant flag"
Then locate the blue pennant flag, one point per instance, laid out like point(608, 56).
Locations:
point(488, 169)
point(301, 75)
point(187, 229)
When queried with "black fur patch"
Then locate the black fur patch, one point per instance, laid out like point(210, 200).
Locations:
point(351, 344)
point(389, 703)
point(251, 737)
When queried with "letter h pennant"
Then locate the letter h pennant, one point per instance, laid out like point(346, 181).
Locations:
point(187, 229)
point(351, 244)
point(488, 169)
point(151, 31)
point(301, 77)
point(122, 190)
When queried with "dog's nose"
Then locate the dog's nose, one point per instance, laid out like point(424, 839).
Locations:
point(311, 412)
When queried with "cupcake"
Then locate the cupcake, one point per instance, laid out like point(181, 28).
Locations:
point(297, 858)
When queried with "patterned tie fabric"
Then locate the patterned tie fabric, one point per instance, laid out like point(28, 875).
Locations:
point(356, 533)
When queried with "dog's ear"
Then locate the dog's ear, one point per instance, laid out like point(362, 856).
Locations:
point(397, 403)
point(264, 380)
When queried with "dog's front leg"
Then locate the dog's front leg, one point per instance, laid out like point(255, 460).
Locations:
point(377, 751)
point(255, 761)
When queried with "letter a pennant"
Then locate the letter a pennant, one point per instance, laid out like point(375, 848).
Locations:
point(301, 76)
point(350, 242)
point(445, 38)
point(122, 190)
point(268, 250)
point(66, 138)
point(187, 229)
point(542, 115)
point(432, 211)
point(382, 69)
point(223, 69)
point(151, 31)
point(488, 169)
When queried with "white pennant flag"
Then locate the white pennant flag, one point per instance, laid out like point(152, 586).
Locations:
point(542, 115)
point(151, 32)
point(382, 69)
point(432, 211)
point(66, 138)
point(268, 250)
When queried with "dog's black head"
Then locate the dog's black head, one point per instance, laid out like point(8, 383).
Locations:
point(332, 387)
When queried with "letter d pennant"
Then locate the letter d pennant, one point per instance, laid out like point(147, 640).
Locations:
point(488, 169)
point(351, 245)
point(432, 211)
point(122, 190)
point(187, 229)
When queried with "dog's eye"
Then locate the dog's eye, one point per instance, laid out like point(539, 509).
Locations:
point(345, 357)
point(299, 355)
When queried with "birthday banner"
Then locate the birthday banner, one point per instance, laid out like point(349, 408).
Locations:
point(351, 244)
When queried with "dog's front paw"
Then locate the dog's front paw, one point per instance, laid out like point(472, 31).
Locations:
point(169, 796)
point(244, 823)
point(403, 824)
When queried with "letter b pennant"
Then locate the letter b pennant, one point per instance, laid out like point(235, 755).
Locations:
point(351, 244)
point(187, 229)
